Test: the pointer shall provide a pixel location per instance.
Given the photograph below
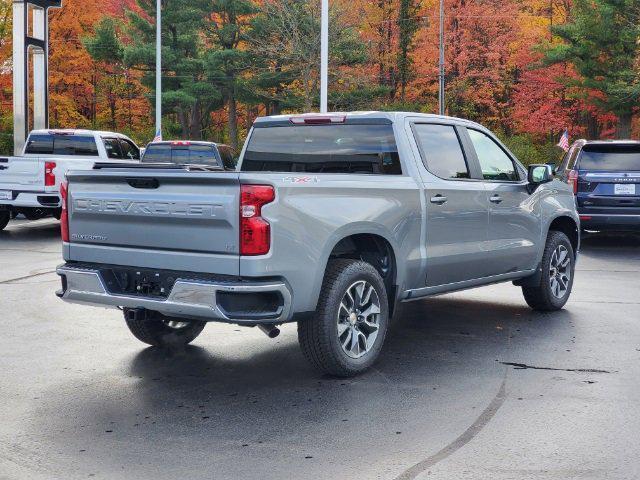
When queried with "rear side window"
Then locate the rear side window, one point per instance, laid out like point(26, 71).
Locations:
point(441, 151)
point(364, 149)
point(74, 145)
point(49, 144)
point(610, 157)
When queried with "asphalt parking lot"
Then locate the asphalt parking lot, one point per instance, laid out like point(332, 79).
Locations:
point(470, 385)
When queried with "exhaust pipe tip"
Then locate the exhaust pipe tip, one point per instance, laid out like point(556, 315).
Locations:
point(270, 331)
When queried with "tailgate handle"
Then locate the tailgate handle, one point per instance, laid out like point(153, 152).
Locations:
point(143, 182)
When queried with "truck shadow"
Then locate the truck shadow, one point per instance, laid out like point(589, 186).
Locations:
point(443, 353)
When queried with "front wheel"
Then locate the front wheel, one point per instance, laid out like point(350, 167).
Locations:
point(5, 216)
point(556, 279)
point(158, 330)
point(346, 336)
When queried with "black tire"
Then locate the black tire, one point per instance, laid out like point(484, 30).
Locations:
point(319, 338)
point(5, 216)
point(153, 328)
point(541, 297)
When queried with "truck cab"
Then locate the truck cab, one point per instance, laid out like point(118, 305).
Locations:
point(30, 183)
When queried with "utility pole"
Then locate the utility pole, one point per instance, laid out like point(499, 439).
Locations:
point(158, 136)
point(441, 109)
point(324, 55)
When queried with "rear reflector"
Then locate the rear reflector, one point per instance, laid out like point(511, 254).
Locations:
point(317, 119)
point(585, 217)
point(64, 216)
point(49, 176)
point(255, 231)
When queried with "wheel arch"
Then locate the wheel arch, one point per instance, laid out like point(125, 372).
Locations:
point(373, 246)
point(569, 227)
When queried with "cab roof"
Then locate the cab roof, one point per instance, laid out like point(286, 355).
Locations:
point(356, 117)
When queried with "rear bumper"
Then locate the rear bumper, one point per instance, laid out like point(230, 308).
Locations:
point(196, 299)
point(33, 200)
point(600, 221)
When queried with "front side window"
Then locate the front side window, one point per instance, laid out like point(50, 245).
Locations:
point(494, 162)
point(129, 150)
point(228, 158)
point(441, 151)
point(343, 148)
point(112, 146)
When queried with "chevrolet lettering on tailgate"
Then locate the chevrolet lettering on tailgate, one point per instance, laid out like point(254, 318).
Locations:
point(129, 207)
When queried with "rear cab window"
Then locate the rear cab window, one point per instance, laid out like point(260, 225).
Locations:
point(323, 148)
point(62, 144)
point(181, 154)
point(609, 157)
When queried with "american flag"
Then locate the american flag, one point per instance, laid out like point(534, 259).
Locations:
point(158, 137)
point(564, 140)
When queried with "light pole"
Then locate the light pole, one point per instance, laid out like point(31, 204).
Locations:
point(324, 55)
point(158, 136)
point(441, 63)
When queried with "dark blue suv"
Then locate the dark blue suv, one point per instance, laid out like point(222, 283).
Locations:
point(605, 175)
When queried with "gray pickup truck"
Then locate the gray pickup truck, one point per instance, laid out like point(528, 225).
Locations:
point(329, 221)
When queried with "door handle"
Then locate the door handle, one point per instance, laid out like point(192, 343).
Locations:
point(438, 199)
point(496, 199)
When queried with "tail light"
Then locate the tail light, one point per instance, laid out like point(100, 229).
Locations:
point(255, 231)
point(49, 176)
point(572, 179)
point(64, 216)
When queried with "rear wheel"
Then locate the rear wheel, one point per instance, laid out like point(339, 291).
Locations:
point(346, 336)
point(159, 330)
point(5, 216)
point(556, 280)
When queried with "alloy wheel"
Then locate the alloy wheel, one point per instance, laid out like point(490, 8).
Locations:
point(358, 319)
point(560, 271)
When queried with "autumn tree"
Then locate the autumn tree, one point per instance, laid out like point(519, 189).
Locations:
point(6, 118)
point(601, 42)
point(285, 42)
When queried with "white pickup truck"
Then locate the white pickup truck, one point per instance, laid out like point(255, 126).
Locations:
point(30, 183)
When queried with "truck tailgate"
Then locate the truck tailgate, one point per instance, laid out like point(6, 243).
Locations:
point(169, 219)
point(23, 173)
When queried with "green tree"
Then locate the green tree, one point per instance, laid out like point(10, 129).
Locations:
point(408, 23)
point(601, 41)
point(227, 63)
point(186, 91)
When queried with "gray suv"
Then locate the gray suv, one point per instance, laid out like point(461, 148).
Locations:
point(329, 221)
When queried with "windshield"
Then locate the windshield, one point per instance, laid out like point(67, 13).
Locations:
point(610, 158)
point(323, 149)
point(181, 154)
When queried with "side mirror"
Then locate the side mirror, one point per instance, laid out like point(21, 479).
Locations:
point(539, 174)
